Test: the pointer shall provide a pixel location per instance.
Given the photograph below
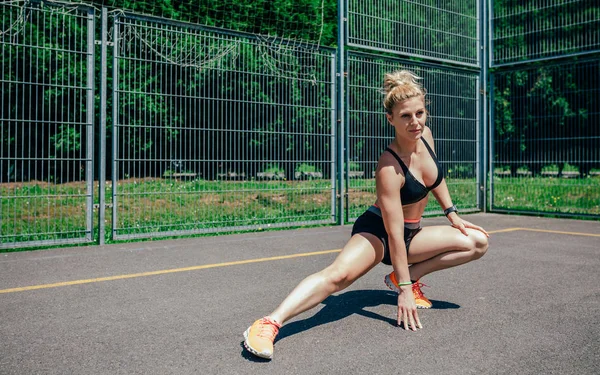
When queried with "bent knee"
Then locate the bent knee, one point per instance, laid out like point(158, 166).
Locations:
point(479, 243)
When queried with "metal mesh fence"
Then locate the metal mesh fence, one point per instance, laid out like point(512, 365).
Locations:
point(439, 30)
point(545, 139)
point(215, 131)
point(229, 125)
point(540, 29)
point(46, 120)
point(302, 20)
point(454, 121)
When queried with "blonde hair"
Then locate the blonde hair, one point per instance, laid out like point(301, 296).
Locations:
point(399, 86)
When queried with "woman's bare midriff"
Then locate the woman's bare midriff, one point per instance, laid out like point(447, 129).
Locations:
point(412, 211)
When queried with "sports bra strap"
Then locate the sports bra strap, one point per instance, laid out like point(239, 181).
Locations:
point(440, 176)
point(428, 148)
point(402, 165)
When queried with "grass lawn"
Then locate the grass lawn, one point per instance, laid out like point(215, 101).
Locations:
point(36, 211)
point(548, 194)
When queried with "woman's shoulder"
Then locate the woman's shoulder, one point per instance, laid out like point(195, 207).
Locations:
point(427, 133)
point(386, 158)
point(388, 166)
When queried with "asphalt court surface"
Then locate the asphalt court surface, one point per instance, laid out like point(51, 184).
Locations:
point(531, 305)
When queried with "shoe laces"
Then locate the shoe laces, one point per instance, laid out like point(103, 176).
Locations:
point(416, 287)
point(267, 329)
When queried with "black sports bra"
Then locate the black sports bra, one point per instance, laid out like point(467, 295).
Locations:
point(413, 190)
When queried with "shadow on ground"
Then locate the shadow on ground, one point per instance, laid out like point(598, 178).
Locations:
point(343, 305)
point(251, 357)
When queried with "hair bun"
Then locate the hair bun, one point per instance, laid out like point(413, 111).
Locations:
point(399, 86)
point(400, 78)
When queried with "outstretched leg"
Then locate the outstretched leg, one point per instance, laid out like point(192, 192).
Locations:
point(363, 252)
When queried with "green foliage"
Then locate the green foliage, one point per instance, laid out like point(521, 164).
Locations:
point(45, 91)
point(460, 171)
point(307, 20)
point(274, 169)
point(555, 168)
point(354, 166)
point(158, 64)
point(66, 141)
point(440, 29)
point(526, 30)
point(545, 113)
point(307, 168)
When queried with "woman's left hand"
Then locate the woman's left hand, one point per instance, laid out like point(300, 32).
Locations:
point(462, 225)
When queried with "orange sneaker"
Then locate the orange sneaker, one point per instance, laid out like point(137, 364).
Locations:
point(259, 337)
point(421, 301)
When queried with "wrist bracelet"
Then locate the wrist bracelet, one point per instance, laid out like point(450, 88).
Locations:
point(404, 283)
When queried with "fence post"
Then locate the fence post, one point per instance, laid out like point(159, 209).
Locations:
point(491, 133)
point(333, 154)
point(483, 107)
point(341, 100)
point(89, 178)
point(102, 142)
point(114, 116)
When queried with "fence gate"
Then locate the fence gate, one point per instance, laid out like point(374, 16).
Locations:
point(216, 131)
point(46, 124)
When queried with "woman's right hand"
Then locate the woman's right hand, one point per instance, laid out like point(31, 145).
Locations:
point(407, 309)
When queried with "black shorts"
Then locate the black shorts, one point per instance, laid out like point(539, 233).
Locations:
point(371, 222)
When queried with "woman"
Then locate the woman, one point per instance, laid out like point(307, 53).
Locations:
point(390, 231)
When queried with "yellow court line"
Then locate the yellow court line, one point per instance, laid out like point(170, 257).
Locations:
point(235, 263)
point(560, 232)
point(163, 272)
point(504, 230)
